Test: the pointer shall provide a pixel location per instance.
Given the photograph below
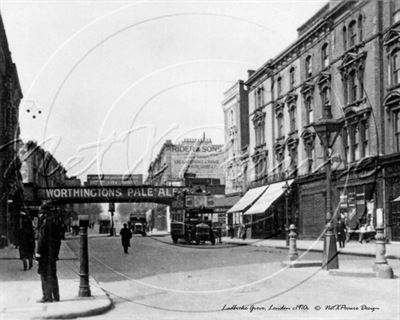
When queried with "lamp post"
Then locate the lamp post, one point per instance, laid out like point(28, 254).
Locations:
point(286, 189)
point(84, 287)
point(111, 208)
point(327, 131)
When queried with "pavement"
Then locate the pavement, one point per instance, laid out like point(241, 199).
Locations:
point(20, 290)
point(352, 247)
point(162, 296)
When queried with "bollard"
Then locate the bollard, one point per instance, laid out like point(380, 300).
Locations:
point(293, 255)
point(383, 269)
point(84, 288)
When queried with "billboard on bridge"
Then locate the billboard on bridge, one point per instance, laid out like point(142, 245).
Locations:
point(108, 194)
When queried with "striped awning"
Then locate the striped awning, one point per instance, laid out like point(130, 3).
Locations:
point(247, 200)
point(273, 192)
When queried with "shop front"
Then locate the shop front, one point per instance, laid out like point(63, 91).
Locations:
point(237, 224)
point(267, 216)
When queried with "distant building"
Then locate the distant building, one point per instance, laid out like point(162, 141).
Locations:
point(190, 159)
point(236, 110)
point(194, 163)
point(10, 184)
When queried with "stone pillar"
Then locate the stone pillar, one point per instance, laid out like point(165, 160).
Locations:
point(383, 269)
point(293, 255)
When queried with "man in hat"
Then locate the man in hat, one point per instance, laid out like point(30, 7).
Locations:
point(50, 235)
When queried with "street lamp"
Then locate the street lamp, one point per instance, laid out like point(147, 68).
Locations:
point(327, 131)
point(111, 209)
point(286, 189)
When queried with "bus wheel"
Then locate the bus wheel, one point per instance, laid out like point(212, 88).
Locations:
point(175, 240)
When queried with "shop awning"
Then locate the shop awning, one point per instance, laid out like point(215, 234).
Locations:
point(396, 200)
point(274, 191)
point(248, 199)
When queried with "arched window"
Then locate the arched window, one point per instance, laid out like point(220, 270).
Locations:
point(326, 104)
point(309, 111)
point(292, 118)
point(352, 34)
point(360, 28)
point(279, 86)
point(292, 78)
point(344, 35)
point(279, 120)
point(308, 67)
point(352, 83)
point(324, 55)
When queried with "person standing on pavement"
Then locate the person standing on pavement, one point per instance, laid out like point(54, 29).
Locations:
point(341, 232)
point(126, 236)
point(49, 243)
point(26, 241)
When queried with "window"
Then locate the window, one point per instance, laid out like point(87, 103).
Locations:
point(345, 140)
point(344, 35)
point(395, 64)
point(355, 142)
point(352, 83)
point(292, 116)
point(232, 120)
point(326, 105)
point(396, 129)
point(259, 128)
point(324, 96)
point(360, 28)
point(292, 78)
point(279, 86)
point(352, 34)
point(279, 120)
point(324, 55)
point(308, 67)
point(310, 156)
point(259, 97)
point(364, 138)
point(260, 167)
point(309, 111)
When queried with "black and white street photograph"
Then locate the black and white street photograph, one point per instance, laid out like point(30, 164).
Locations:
point(200, 159)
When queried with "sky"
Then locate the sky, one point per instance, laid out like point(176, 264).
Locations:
point(105, 83)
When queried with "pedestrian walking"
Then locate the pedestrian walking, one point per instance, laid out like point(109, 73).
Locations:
point(126, 236)
point(26, 241)
point(49, 243)
point(341, 233)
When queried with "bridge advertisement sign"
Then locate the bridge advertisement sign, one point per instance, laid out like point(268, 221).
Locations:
point(109, 194)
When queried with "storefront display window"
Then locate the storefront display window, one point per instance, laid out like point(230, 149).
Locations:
point(357, 206)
